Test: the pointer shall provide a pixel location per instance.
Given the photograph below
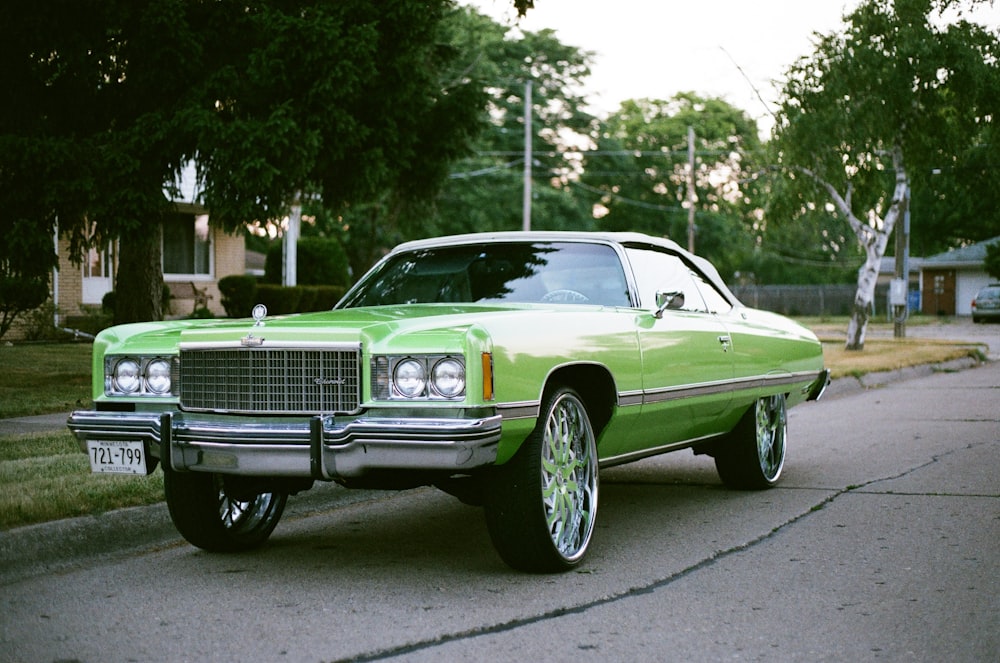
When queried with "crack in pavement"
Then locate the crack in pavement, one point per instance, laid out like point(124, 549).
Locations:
point(707, 562)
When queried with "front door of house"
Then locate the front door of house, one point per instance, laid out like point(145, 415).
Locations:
point(98, 275)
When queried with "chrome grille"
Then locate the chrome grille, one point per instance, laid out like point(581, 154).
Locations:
point(271, 380)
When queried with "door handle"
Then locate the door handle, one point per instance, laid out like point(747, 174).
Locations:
point(725, 341)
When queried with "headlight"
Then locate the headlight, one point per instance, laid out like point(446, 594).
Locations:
point(418, 377)
point(448, 377)
point(126, 376)
point(410, 378)
point(138, 376)
point(158, 376)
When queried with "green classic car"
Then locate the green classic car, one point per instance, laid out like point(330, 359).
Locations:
point(503, 368)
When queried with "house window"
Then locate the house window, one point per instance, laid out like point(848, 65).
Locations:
point(187, 246)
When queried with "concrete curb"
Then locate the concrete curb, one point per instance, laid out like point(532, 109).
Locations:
point(851, 385)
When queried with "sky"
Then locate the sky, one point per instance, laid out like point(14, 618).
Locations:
point(731, 49)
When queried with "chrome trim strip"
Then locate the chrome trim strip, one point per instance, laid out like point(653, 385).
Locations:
point(664, 394)
point(629, 398)
point(234, 344)
point(519, 410)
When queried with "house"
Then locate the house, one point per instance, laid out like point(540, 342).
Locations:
point(950, 280)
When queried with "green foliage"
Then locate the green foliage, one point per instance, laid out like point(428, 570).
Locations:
point(341, 100)
point(894, 79)
point(18, 295)
point(279, 300)
point(638, 176)
point(319, 261)
point(485, 191)
point(239, 294)
point(992, 262)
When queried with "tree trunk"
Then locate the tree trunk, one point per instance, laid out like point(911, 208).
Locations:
point(865, 294)
point(139, 285)
point(874, 237)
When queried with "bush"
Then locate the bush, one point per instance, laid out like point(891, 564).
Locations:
point(278, 299)
point(319, 261)
point(326, 297)
point(20, 294)
point(239, 294)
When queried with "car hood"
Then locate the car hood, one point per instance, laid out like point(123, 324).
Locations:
point(372, 326)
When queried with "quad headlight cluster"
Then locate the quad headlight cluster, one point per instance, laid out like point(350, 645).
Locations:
point(138, 376)
point(418, 377)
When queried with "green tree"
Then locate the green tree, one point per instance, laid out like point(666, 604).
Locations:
point(484, 191)
point(637, 178)
point(271, 99)
point(992, 262)
point(874, 111)
point(24, 280)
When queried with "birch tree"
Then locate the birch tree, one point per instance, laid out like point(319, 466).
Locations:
point(901, 92)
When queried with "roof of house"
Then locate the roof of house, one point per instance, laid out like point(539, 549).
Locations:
point(888, 265)
point(966, 256)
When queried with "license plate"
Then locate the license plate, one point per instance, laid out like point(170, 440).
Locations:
point(117, 456)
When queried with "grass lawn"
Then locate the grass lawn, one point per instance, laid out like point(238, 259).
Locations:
point(46, 477)
point(39, 378)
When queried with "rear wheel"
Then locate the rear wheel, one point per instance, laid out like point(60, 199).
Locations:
point(542, 504)
point(213, 512)
point(754, 454)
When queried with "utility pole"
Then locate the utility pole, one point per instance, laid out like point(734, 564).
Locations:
point(289, 247)
point(899, 288)
point(691, 193)
point(526, 211)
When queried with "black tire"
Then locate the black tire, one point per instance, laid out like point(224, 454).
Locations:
point(541, 505)
point(218, 518)
point(752, 457)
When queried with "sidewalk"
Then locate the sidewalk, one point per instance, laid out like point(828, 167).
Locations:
point(43, 423)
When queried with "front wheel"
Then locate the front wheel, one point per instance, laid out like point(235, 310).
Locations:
point(754, 453)
point(542, 504)
point(215, 513)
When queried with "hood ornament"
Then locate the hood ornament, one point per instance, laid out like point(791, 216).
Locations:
point(250, 341)
point(259, 313)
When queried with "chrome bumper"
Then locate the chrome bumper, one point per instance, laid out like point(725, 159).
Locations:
point(318, 447)
point(819, 385)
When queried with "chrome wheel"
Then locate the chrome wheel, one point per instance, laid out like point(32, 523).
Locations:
point(771, 430)
point(541, 505)
point(569, 477)
point(247, 514)
point(221, 514)
point(753, 454)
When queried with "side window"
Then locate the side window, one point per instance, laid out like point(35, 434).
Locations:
point(713, 298)
point(658, 271)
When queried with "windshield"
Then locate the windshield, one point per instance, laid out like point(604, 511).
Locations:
point(551, 272)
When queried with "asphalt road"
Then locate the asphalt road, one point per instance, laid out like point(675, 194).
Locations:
point(879, 544)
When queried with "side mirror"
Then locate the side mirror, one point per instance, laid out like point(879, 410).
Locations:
point(665, 300)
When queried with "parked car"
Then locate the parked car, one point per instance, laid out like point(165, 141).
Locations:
point(986, 304)
point(506, 369)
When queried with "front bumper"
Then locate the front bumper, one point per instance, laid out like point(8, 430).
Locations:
point(318, 447)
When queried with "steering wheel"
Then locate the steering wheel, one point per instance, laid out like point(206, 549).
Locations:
point(565, 296)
